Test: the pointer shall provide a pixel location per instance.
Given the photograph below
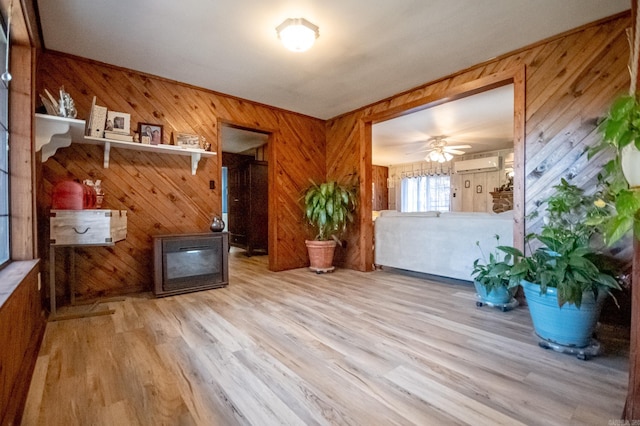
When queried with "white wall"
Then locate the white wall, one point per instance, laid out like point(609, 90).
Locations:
point(465, 195)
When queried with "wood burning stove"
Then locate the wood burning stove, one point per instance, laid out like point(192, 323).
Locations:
point(190, 262)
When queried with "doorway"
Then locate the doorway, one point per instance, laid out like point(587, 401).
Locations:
point(451, 157)
point(513, 77)
point(245, 188)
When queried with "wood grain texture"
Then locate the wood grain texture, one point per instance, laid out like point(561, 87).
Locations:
point(570, 81)
point(22, 158)
point(293, 347)
point(379, 176)
point(22, 325)
point(158, 191)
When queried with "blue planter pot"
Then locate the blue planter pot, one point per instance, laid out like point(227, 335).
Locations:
point(566, 326)
point(498, 296)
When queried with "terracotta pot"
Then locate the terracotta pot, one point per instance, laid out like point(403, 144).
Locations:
point(321, 255)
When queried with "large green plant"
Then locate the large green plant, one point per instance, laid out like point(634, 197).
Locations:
point(568, 265)
point(569, 257)
point(619, 129)
point(329, 207)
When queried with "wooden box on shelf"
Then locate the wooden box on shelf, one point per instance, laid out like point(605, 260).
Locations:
point(87, 227)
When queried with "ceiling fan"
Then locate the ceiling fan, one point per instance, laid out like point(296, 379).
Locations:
point(438, 150)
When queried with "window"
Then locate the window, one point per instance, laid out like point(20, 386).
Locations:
point(4, 160)
point(425, 193)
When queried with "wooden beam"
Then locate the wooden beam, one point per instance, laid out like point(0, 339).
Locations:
point(632, 403)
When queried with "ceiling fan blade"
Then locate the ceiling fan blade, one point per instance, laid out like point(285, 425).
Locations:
point(453, 151)
point(420, 150)
point(459, 146)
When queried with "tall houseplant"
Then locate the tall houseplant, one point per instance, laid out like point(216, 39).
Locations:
point(329, 208)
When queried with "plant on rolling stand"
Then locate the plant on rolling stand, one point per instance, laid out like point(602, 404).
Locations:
point(492, 278)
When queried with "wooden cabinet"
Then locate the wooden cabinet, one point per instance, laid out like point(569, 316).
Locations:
point(248, 206)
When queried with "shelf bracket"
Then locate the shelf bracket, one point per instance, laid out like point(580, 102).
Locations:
point(54, 132)
point(107, 153)
point(195, 158)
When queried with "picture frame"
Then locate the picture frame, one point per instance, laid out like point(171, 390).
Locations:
point(150, 134)
point(479, 189)
point(467, 184)
point(118, 122)
point(187, 141)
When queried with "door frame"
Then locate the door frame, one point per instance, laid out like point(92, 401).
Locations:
point(271, 209)
point(515, 76)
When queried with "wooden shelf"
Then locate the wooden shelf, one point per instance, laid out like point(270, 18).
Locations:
point(54, 132)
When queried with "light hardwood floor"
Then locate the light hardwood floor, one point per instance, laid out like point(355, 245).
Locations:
point(293, 347)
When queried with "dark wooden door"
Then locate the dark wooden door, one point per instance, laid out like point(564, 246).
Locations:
point(236, 204)
point(249, 206)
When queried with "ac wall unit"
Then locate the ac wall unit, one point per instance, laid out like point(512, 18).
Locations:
point(486, 164)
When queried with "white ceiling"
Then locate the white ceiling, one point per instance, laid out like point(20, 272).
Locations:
point(484, 121)
point(240, 141)
point(367, 50)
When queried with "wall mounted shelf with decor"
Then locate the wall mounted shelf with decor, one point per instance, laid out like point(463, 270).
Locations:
point(54, 132)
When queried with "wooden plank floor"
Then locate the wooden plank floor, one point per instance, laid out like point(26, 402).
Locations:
point(294, 348)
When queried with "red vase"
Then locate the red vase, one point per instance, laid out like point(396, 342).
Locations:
point(71, 195)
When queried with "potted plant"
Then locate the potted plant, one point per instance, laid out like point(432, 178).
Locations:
point(329, 207)
point(491, 278)
point(564, 278)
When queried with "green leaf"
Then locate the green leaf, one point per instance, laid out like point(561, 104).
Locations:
point(511, 250)
point(329, 207)
point(323, 189)
point(628, 202)
point(617, 228)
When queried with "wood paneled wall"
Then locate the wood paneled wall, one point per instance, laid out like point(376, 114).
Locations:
point(158, 190)
point(22, 324)
point(379, 176)
point(570, 81)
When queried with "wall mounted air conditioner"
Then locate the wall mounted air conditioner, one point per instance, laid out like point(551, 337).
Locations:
point(476, 165)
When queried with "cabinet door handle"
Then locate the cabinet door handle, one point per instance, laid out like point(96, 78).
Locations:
point(83, 232)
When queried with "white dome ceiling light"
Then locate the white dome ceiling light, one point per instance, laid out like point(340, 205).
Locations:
point(297, 34)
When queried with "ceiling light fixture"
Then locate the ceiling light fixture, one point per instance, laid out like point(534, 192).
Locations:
point(439, 156)
point(297, 34)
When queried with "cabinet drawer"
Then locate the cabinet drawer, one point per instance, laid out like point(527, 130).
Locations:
point(95, 226)
point(238, 239)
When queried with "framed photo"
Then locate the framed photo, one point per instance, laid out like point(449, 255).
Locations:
point(479, 189)
point(118, 122)
point(467, 184)
point(150, 133)
point(187, 140)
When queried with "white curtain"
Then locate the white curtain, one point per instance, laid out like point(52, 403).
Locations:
point(425, 193)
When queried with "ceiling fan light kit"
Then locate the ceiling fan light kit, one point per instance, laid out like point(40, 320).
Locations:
point(439, 156)
point(439, 151)
point(297, 34)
